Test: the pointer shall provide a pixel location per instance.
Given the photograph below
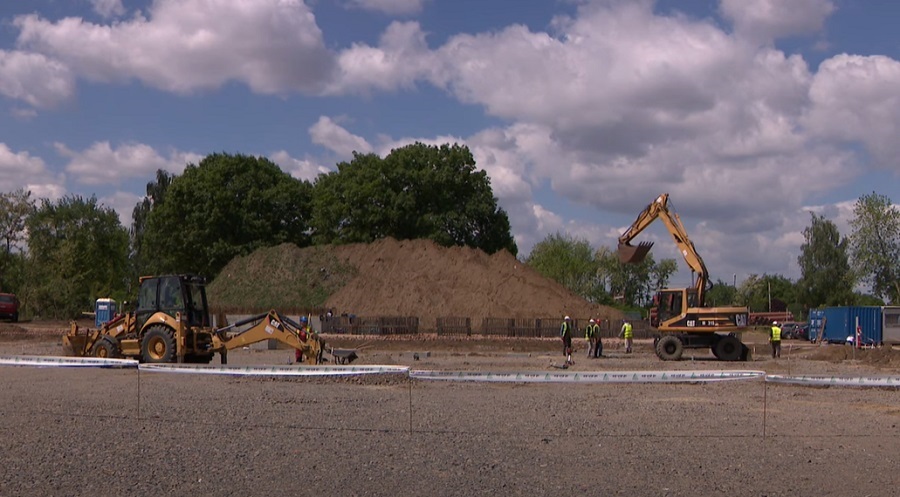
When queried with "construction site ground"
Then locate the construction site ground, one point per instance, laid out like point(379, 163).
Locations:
point(123, 432)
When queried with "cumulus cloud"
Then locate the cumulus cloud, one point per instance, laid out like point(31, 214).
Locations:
point(305, 169)
point(272, 46)
point(767, 20)
point(329, 134)
point(23, 170)
point(123, 203)
point(35, 79)
point(102, 164)
point(856, 99)
point(393, 7)
point(108, 8)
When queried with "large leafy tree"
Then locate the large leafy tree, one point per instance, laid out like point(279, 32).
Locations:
point(825, 275)
point(769, 292)
point(633, 284)
point(78, 252)
point(228, 205)
point(875, 244)
point(156, 194)
point(721, 294)
point(417, 191)
point(569, 261)
point(15, 208)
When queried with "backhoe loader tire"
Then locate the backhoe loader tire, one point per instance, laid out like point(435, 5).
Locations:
point(729, 348)
point(669, 348)
point(105, 348)
point(158, 345)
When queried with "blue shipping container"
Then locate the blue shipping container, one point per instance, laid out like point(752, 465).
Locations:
point(815, 323)
point(104, 310)
point(840, 323)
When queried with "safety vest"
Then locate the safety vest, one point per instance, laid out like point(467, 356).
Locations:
point(627, 330)
point(776, 334)
point(592, 330)
point(565, 329)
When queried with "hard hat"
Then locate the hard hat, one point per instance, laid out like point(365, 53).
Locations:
point(302, 319)
point(567, 318)
point(592, 320)
point(775, 323)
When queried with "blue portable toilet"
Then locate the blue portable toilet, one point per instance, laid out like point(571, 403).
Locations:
point(104, 310)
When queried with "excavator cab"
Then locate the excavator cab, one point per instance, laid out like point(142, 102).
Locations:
point(173, 294)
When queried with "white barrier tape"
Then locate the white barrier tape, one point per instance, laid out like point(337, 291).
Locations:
point(841, 381)
point(64, 362)
point(590, 377)
point(274, 370)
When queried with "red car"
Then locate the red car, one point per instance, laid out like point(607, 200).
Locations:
point(9, 307)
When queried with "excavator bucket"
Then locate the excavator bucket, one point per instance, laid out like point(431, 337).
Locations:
point(630, 254)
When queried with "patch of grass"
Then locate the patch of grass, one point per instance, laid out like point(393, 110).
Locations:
point(285, 277)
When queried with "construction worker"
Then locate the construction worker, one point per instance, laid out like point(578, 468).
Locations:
point(305, 331)
point(628, 334)
point(775, 340)
point(565, 333)
point(592, 333)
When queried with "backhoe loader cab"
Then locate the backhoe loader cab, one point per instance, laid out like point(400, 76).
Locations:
point(172, 294)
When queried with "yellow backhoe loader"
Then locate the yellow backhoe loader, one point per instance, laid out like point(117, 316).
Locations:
point(680, 315)
point(171, 324)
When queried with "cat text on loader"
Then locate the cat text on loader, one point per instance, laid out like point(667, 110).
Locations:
point(171, 324)
point(679, 314)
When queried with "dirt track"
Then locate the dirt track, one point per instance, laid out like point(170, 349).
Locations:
point(120, 432)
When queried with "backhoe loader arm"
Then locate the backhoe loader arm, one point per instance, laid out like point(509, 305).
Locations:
point(659, 208)
point(271, 325)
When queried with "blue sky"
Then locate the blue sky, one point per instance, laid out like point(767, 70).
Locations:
point(749, 113)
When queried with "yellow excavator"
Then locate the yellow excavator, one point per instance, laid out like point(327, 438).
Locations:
point(680, 315)
point(171, 324)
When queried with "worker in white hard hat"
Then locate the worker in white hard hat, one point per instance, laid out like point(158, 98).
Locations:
point(565, 333)
point(775, 339)
point(592, 333)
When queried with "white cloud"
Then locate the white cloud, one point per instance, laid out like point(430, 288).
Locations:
point(123, 203)
point(102, 164)
point(22, 170)
point(766, 20)
point(108, 8)
point(856, 98)
point(394, 7)
point(329, 134)
point(273, 46)
point(305, 169)
point(35, 79)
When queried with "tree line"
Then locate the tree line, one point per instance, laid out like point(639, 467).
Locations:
point(833, 268)
point(61, 255)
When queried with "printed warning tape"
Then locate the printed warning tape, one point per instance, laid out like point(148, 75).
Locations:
point(589, 377)
point(51, 361)
point(841, 381)
point(274, 370)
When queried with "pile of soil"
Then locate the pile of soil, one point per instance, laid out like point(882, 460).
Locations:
point(404, 278)
point(881, 356)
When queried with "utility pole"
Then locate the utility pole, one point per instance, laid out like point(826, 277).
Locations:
point(770, 295)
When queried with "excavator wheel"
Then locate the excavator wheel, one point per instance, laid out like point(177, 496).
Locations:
point(106, 348)
point(669, 348)
point(728, 348)
point(158, 345)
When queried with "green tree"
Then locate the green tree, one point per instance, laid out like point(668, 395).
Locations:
point(721, 294)
point(78, 252)
point(569, 261)
point(825, 275)
point(767, 293)
point(632, 285)
point(228, 205)
point(156, 194)
point(875, 245)
point(417, 191)
point(15, 208)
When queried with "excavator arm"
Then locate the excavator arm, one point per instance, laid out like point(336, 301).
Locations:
point(271, 325)
point(659, 208)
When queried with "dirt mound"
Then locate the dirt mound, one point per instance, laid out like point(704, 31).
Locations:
point(882, 356)
point(421, 278)
point(398, 278)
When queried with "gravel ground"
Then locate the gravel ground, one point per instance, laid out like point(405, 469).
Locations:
point(121, 432)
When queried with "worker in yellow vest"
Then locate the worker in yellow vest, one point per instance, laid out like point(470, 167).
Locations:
point(628, 334)
point(565, 333)
point(775, 340)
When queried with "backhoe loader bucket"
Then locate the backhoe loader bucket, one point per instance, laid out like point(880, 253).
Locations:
point(630, 254)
